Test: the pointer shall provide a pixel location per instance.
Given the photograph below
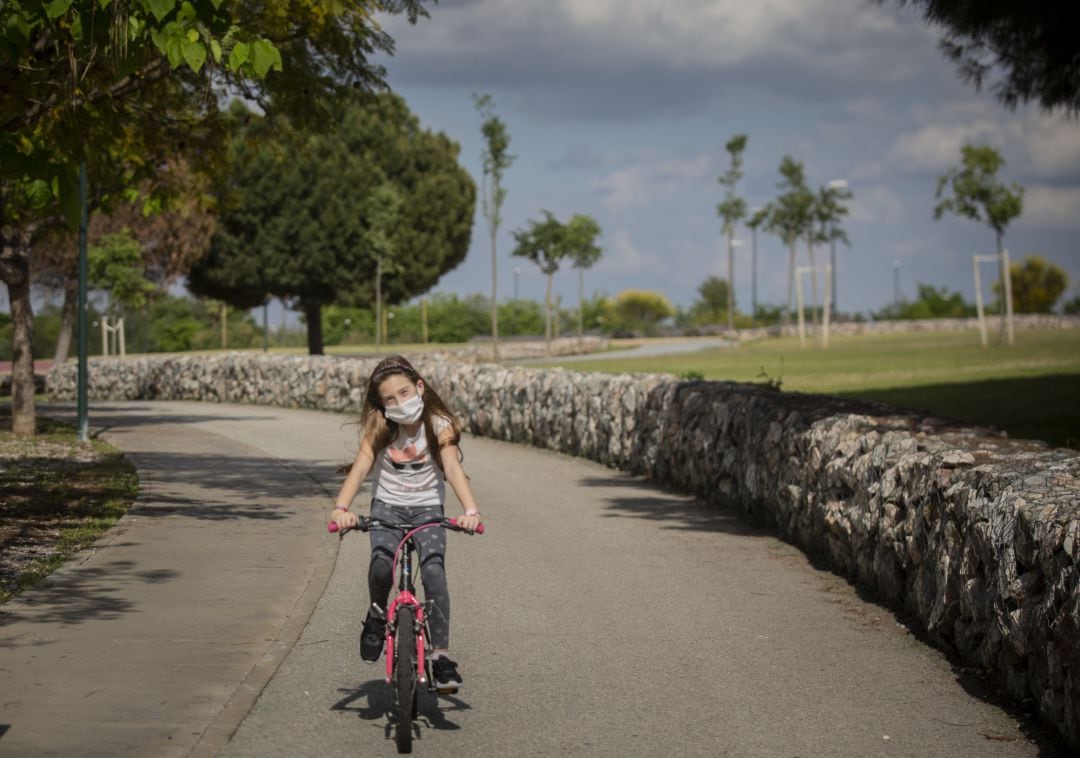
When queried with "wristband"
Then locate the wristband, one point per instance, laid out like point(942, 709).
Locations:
point(472, 512)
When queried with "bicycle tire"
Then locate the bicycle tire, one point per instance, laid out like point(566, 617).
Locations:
point(405, 676)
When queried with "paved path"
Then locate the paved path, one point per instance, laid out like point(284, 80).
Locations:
point(599, 616)
point(648, 350)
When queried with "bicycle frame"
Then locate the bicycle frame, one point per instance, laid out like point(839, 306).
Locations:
point(407, 596)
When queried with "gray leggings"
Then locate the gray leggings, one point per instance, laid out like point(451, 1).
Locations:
point(432, 555)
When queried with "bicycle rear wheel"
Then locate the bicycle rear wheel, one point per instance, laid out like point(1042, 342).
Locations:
point(405, 679)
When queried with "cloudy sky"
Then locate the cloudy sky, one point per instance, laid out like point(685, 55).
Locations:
point(621, 109)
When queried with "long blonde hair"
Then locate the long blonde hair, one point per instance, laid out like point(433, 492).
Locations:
point(377, 428)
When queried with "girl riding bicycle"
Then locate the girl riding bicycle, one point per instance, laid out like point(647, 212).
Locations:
point(410, 442)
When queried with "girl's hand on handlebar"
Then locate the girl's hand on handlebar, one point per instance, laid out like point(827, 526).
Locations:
point(344, 519)
point(468, 522)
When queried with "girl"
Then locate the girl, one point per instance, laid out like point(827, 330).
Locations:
point(410, 441)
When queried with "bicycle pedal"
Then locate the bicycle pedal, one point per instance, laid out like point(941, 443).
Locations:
point(446, 690)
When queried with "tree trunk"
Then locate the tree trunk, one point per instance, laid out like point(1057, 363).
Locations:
point(790, 283)
point(813, 286)
point(581, 304)
point(730, 282)
point(15, 272)
point(67, 322)
point(547, 314)
point(494, 299)
point(313, 314)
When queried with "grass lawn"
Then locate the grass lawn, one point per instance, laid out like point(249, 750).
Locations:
point(1031, 390)
point(56, 496)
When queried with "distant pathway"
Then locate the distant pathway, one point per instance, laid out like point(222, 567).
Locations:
point(648, 350)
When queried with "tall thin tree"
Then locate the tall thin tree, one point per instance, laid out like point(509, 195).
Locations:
point(732, 209)
point(580, 235)
point(496, 159)
point(791, 216)
point(973, 190)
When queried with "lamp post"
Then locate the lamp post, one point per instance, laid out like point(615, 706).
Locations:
point(896, 282)
point(517, 273)
point(835, 184)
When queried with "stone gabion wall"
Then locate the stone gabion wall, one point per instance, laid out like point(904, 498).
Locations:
point(975, 536)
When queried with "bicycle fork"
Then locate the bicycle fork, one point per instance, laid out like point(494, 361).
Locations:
point(406, 597)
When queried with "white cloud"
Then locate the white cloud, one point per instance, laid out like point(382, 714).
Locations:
point(877, 205)
point(1032, 143)
point(650, 177)
point(1056, 206)
point(624, 256)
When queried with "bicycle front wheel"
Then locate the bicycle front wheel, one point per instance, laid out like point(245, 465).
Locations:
point(405, 680)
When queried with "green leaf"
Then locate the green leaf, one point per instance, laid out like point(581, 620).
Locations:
point(38, 194)
point(161, 8)
point(17, 32)
point(264, 57)
point(217, 4)
point(104, 3)
point(161, 40)
point(187, 12)
point(57, 8)
point(194, 54)
point(175, 50)
point(215, 50)
point(77, 28)
point(239, 55)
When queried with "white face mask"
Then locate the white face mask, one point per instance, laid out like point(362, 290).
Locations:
point(405, 413)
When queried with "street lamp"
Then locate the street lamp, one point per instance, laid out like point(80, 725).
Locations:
point(835, 184)
point(389, 320)
point(517, 273)
point(896, 282)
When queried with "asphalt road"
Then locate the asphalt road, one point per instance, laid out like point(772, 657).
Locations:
point(601, 615)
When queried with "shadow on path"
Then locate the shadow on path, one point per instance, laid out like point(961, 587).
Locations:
point(90, 593)
point(638, 497)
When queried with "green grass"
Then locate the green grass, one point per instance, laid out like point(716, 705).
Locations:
point(1030, 390)
point(56, 497)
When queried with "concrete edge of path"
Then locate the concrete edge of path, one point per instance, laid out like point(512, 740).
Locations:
point(224, 725)
point(228, 720)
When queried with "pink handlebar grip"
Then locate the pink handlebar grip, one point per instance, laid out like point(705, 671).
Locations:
point(478, 530)
point(331, 527)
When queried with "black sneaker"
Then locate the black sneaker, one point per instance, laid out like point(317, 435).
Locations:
point(373, 638)
point(447, 678)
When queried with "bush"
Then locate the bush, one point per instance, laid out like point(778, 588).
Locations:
point(640, 312)
point(931, 303)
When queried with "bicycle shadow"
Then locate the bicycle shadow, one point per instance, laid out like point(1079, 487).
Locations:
point(372, 701)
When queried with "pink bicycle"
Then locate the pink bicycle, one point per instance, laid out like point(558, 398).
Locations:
point(408, 664)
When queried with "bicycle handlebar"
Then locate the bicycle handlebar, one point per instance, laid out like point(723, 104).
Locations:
point(366, 523)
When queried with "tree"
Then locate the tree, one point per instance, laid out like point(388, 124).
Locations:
point(496, 159)
point(116, 265)
point(829, 209)
point(1036, 285)
point(640, 311)
point(732, 210)
point(580, 235)
point(973, 191)
point(543, 243)
point(92, 86)
point(711, 305)
point(791, 217)
point(1033, 46)
point(172, 221)
point(1071, 306)
point(296, 217)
